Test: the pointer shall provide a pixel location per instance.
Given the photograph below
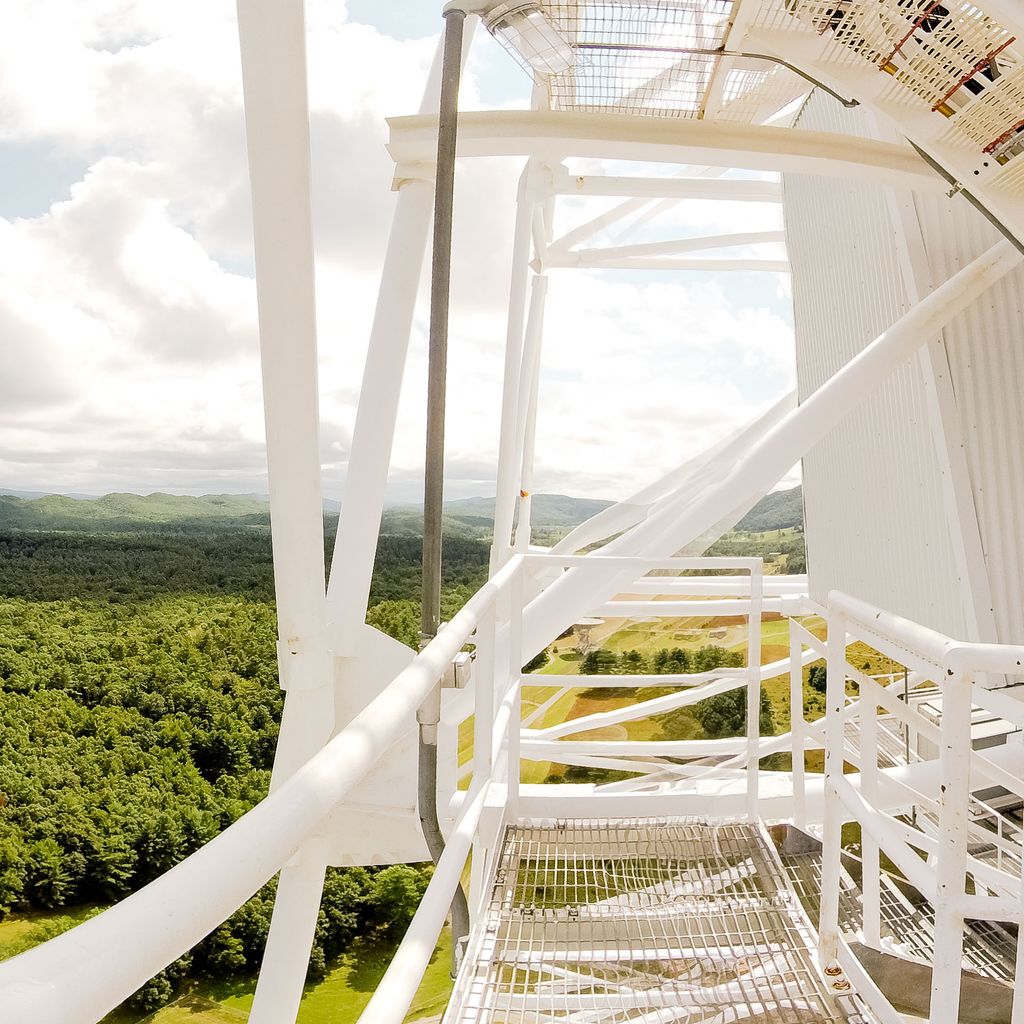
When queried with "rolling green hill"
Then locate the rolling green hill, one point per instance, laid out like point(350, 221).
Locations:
point(779, 510)
point(132, 512)
point(553, 514)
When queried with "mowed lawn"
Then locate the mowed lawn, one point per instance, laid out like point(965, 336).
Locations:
point(338, 999)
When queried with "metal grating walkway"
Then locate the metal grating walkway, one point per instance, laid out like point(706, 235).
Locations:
point(653, 923)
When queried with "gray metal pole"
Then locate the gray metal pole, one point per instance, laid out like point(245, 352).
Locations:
point(437, 364)
point(433, 485)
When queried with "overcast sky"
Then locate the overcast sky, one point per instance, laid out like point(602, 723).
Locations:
point(128, 339)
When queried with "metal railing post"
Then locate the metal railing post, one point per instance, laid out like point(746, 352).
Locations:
point(871, 882)
point(1017, 1006)
point(951, 859)
point(483, 695)
point(515, 669)
point(754, 692)
point(832, 846)
point(797, 727)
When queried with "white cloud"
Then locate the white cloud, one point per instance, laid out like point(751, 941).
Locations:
point(127, 317)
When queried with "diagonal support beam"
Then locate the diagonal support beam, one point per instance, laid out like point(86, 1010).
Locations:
point(768, 459)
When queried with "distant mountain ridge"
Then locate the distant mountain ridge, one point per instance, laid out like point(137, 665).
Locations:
point(125, 512)
point(553, 515)
point(779, 510)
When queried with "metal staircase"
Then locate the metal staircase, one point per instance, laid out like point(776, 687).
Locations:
point(646, 920)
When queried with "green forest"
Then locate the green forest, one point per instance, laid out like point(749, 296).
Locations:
point(139, 705)
point(139, 710)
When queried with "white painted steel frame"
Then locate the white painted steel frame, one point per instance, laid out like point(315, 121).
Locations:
point(955, 665)
point(557, 135)
point(272, 38)
point(767, 459)
point(162, 920)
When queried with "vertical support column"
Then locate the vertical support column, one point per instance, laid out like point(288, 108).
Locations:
point(515, 669)
point(483, 733)
point(509, 459)
point(797, 727)
point(832, 822)
point(483, 697)
point(871, 878)
point(530, 396)
point(951, 858)
point(754, 694)
point(440, 289)
point(273, 51)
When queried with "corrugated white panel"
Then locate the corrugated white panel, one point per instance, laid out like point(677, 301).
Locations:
point(985, 346)
point(872, 491)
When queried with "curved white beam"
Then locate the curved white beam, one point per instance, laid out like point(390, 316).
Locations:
point(558, 134)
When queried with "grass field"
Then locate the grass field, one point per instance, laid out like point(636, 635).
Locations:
point(338, 999)
point(20, 932)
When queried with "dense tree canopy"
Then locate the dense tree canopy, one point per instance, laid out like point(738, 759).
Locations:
point(139, 712)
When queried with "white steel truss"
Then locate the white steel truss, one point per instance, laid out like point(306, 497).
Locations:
point(597, 903)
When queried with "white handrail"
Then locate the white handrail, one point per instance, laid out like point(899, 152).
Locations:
point(955, 656)
point(944, 832)
point(395, 992)
point(81, 975)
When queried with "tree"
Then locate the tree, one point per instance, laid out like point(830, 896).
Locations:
point(817, 678)
point(538, 661)
point(394, 896)
point(599, 662)
point(726, 714)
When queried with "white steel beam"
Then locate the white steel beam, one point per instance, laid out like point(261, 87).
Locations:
point(627, 513)
point(374, 431)
point(558, 134)
point(709, 586)
point(673, 246)
point(272, 38)
point(599, 262)
point(509, 459)
point(687, 609)
point(740, 16)
point(732, 190)
point(768, 458)
point(277, 129)
point(950, 450)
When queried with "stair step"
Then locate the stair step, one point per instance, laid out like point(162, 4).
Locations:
point(656, 922)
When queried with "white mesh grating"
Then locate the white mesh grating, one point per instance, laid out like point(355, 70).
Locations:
point(988, 948)
point(949, 56)
point(630, 56)
point(642, 922)
point(653, 57)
